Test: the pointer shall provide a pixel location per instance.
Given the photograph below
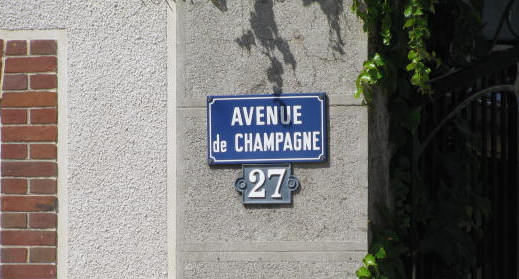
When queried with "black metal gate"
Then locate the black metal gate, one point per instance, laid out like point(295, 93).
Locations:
point(484, 95)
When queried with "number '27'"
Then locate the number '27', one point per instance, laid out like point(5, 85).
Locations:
point(257, 177)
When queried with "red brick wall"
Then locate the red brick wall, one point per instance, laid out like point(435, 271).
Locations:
point(28, 158)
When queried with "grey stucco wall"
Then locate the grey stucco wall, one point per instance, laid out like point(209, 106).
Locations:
point(117, 131)
point(260, 47)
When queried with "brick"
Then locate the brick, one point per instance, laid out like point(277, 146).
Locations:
point(23, 237)
point(44, 116)
point(28, 203)
point(42, 220)
point(14, 255)
point(14, 220)
point(30, 64)
point(43, 151)
point(43, 47)
point(44, 82)
point(42, 255)
point(43, 186)
point(28, 271)
point(29, 169)
point(15, 82)
point(16, 48)
point(14, 151)
point(14, 116)
point(29, 133)
point(29, 99)
point(14, 186)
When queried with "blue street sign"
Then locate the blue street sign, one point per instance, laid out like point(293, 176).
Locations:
point(285, 128)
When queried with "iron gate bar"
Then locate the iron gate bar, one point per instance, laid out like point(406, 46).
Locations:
point(481, 68)
point(458, 108)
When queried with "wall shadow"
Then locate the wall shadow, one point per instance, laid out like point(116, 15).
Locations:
point(332, 9)
point(220, 4)
point(264, 32)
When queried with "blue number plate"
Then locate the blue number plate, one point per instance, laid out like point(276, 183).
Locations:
point(267, 184)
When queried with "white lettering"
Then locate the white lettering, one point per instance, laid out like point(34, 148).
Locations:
point(268, 140)
point(297, 114)
point(307, 140)
point(236, 117)
point(259, 115)
point(237, 147)
point(279, 139)
point(267, 115)
point(285, 115)
point(273, 141)
point(248, 115)
point(297, 141)
point(219, 145)
point(272, 115)
point(248, 142)
point(316, 140)
point(257, 143)
point(288, 142)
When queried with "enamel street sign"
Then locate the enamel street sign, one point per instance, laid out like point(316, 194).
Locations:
point(248, 129)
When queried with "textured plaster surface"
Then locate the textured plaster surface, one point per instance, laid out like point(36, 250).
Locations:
point(261, 270)
point(117, 131)
point(261, 47)
point(330, 206)
point(257, 47)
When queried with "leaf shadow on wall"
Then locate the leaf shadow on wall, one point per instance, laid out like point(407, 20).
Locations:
point(332, 9)
point(264, 31)
point(220, 4)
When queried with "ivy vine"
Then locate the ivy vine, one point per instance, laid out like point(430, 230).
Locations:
point(416, 24)
point(438, 224)
point(377, 17)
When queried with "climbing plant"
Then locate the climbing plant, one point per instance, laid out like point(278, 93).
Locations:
point(439, 224)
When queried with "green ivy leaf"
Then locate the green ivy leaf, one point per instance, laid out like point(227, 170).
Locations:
point(381, 253)
point(386, 30)
point(369, 65)
point(412, 54)
point(369, 260)
point(363, 272)
point(379, 61)
point(408, 23)
point(359, 91)
point(365, 78)
point(408, 11)
point(386, 41)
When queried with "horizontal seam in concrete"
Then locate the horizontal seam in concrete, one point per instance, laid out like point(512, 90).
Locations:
point(341, 100)
point(277, 246)
point(314, 256)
